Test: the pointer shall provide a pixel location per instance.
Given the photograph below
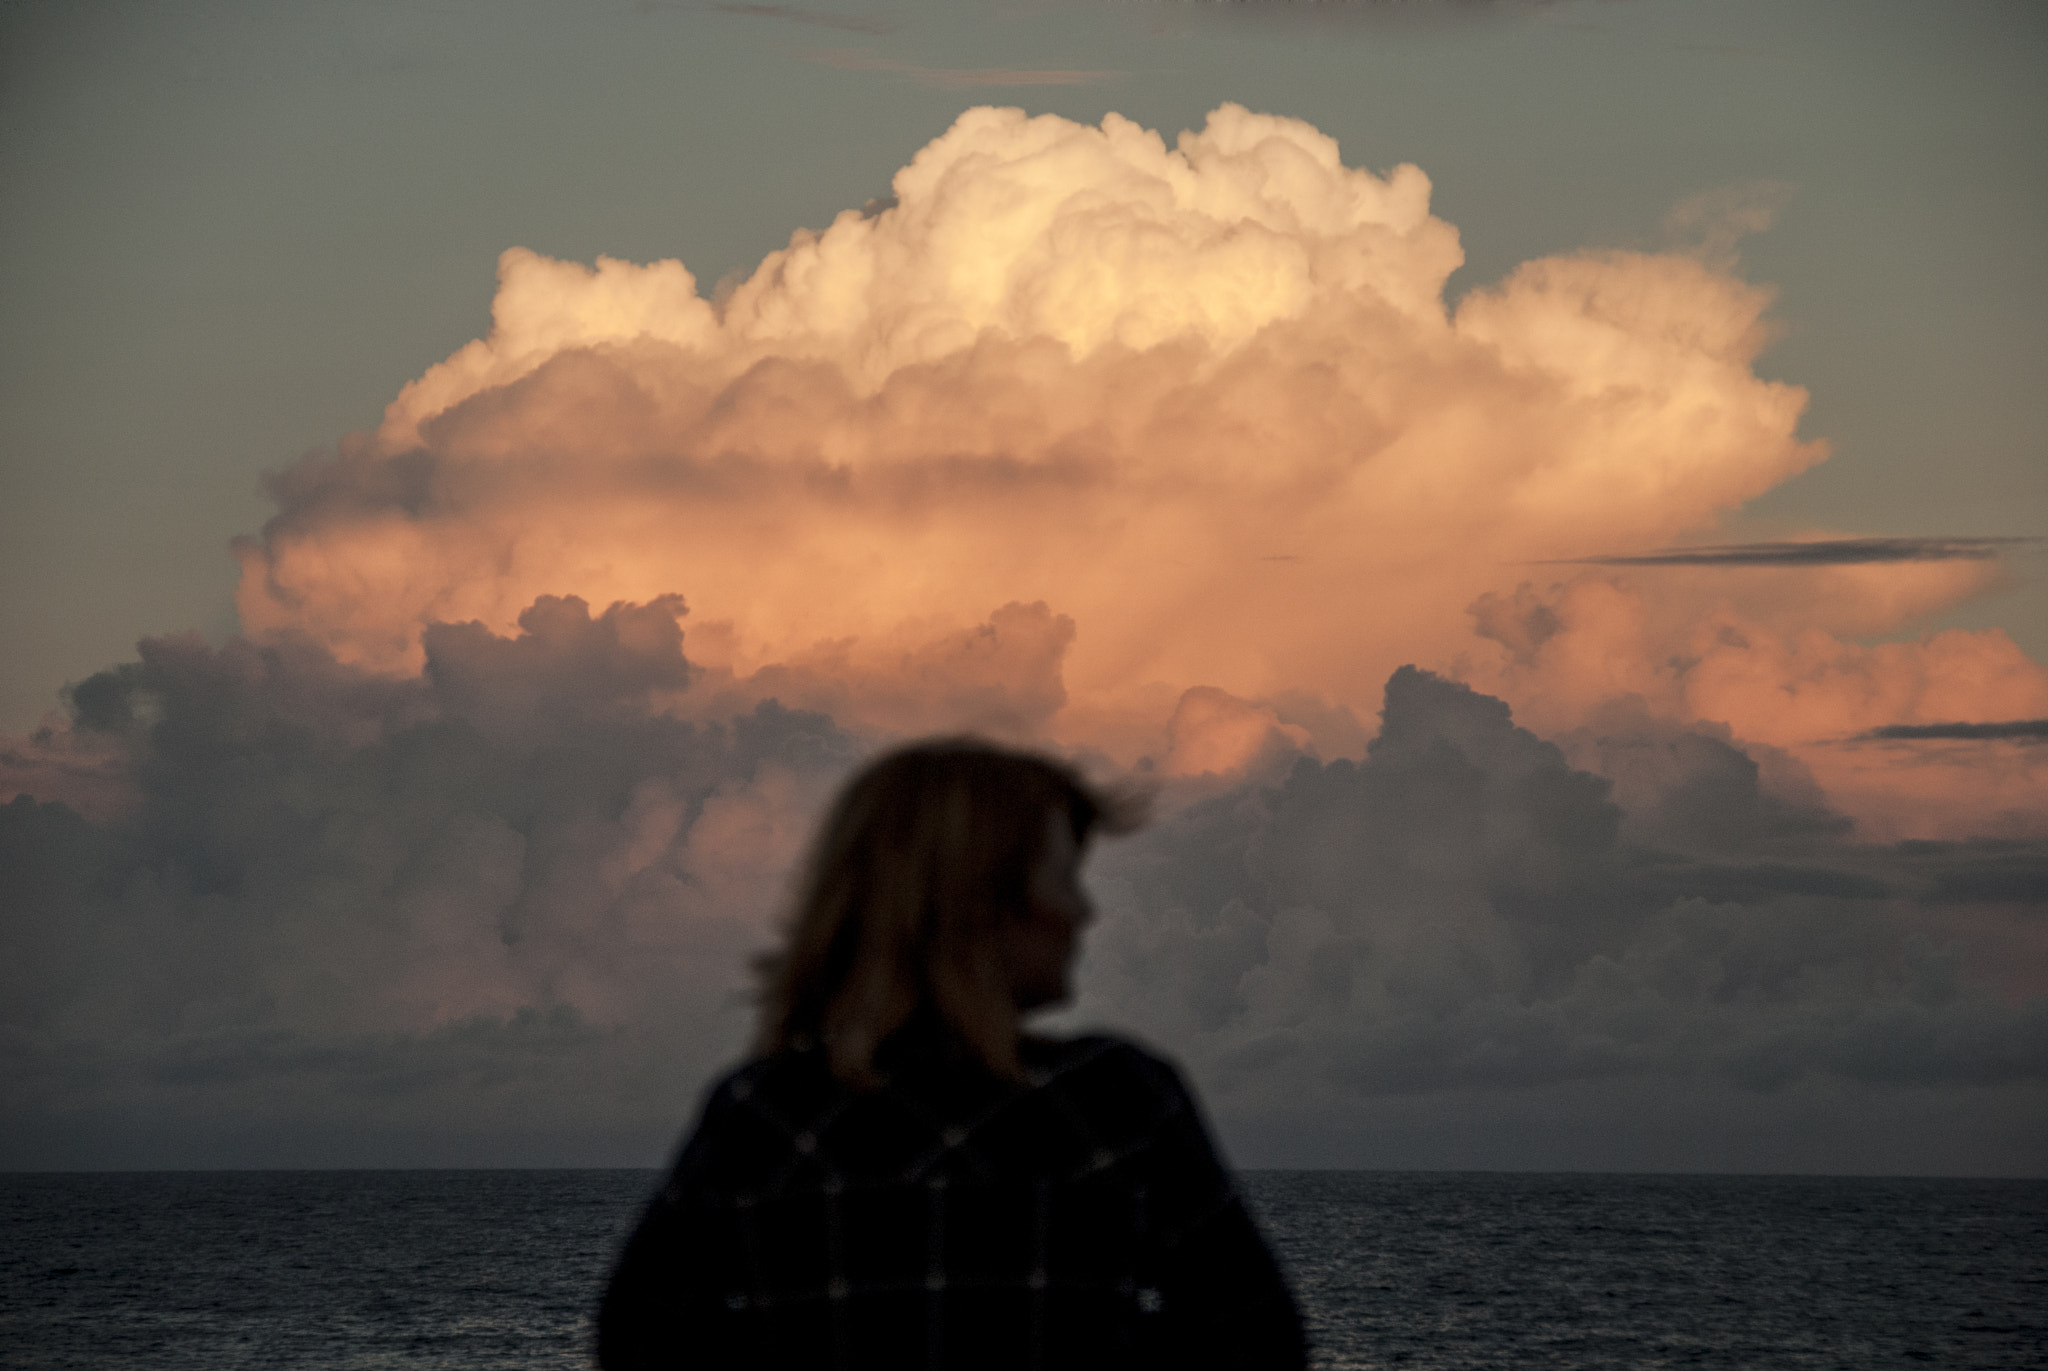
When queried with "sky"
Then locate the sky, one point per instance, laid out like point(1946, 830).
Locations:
point(1549, 496)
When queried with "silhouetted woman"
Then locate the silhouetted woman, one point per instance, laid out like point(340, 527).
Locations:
point(901, 1178)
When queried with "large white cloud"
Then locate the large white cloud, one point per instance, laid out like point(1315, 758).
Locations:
point(1205, 402)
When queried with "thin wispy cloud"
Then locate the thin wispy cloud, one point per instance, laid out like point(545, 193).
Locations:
point(794, 14)
point(1374, 13)
point(1817, 552)
point(1710, 225)
point(1384, 8)
point(956, 78)
point(2012, 730)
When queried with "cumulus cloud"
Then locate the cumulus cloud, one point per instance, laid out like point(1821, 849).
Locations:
point(333, 893)
point(1203, 401)
point(1464, 909)
point(501, 909)
point(1172, 456)
point(1778, 680)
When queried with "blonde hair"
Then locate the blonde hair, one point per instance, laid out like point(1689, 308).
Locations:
point(916, 867)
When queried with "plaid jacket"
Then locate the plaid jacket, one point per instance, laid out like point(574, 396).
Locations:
point(950, 1220)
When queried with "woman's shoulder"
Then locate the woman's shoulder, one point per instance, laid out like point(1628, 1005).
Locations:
point(794, 1083)
point(786, 1084)
point(1111, 1074)
point(1088, 1102)
point(752, 1121)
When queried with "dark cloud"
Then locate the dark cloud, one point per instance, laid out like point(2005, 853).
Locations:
point(1690, 789)
point(500, 911)
point(1466, 910)
point(506, 892)
point(1521, 623)
point(2014, 730)
point(1819, 552)
point(2003, 871)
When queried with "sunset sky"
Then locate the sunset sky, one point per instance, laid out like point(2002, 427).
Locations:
point(1551, 497)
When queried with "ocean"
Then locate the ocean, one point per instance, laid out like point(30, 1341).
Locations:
point(499, 1269)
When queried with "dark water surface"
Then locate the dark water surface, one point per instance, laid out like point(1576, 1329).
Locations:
point(1422, 1270)
point(498, 1269)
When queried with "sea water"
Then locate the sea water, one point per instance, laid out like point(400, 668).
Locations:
point(500, 1269)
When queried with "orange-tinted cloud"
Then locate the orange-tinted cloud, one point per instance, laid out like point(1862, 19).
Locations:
point(1563, 652)
point(1154, 419)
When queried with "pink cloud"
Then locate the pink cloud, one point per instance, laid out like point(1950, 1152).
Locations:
point(1204, 403)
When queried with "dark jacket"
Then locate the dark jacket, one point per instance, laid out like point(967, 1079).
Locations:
point(950, 1220)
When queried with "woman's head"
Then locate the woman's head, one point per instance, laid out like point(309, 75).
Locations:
point(943, 881)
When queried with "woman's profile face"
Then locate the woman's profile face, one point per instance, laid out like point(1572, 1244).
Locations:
point(1039, 945)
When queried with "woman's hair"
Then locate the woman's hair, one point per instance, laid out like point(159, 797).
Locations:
point(916, 867)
